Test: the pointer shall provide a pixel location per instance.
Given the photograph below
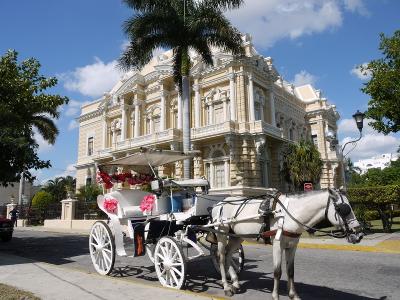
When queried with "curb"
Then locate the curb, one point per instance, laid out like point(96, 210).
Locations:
point(388, 246)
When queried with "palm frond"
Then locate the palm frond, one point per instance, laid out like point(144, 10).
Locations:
point(46, 128)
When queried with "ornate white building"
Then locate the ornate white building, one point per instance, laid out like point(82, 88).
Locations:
point(242, 113)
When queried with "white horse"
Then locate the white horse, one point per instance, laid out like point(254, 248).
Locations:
point(236, 218)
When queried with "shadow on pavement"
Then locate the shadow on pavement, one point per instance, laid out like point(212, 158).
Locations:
point(52, 249)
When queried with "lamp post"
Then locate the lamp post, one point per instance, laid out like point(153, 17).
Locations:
point(359, 119)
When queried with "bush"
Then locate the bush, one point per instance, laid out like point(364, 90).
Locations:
point(371, 203)
point(42, 200)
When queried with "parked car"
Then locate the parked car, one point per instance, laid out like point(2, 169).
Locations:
point(6, 229)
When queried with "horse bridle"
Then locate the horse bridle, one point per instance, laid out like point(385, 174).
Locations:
point(342, 209)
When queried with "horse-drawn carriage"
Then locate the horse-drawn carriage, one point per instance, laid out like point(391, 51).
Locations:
point(181, 215)
point(162, 223)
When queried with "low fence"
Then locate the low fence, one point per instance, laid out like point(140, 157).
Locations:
point(35, 216)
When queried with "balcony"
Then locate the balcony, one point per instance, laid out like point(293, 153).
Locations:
point(213, 130)
point(262, 127)
point(165, 136)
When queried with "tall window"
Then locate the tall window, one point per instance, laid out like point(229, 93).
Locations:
point(148, 126)
point(88, 180)
point(258, 111)
point(90, 146)
point(156, 124)
point(218, 113)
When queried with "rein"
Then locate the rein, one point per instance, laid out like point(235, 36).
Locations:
point(328, 233)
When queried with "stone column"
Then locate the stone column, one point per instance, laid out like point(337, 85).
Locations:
point(272, 106)
point(197, 105)
point(104, 120)
point(224, 109)
point(251, 98)
point(232, 95)
point(124, 121)
point(137, 118)
point(163, 107)
point(180, 109)
point(68, 209)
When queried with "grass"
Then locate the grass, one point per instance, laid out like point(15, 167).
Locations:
point(376, 227)
point(11, 293)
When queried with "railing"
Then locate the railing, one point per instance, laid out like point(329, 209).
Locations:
point(36, 215)
point(213, 129)
point(263, 127)
point(88, 211)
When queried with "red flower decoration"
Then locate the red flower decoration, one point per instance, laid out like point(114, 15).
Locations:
point(147, 203)
point(111, 205)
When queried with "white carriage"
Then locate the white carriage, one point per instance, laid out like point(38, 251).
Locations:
point(161, 223)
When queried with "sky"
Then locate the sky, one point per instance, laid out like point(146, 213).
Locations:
point(311, 41)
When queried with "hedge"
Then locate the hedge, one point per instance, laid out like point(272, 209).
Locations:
point(380, 195)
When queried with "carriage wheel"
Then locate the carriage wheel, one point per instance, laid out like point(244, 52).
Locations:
point(237, 259)
point(170, 263)
point(102, 248)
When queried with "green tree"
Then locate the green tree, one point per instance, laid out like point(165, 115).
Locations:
point(60, 186)
point(42, 200)
point(384, 86)
point(89, 193)
point(180, 26)
point(24, 107)
point(302, 163)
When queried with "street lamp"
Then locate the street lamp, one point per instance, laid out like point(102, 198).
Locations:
point(359, 119)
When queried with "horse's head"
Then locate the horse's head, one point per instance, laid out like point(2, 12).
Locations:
point(340, 214)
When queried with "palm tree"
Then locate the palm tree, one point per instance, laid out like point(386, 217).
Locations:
point(181, 26)
point(302, 163)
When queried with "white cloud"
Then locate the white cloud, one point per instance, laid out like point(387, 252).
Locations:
point(270, 21)
point(69, 171)
point(303, 78)
point(371, 144)
point(73, 108)
point(92, 80)
point(273, 20)
point(72, 125)
point(356, 6)
point(363, 75)
point(43, 145)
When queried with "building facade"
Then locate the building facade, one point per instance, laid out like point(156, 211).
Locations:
point(242, 115)
point(377, 162)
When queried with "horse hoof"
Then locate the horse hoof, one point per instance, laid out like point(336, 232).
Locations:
point(236, 290)
point(294, 297)
point(228, 293)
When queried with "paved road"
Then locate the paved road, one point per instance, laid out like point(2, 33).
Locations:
point(320, 274)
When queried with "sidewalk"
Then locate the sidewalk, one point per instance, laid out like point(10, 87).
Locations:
point(52, 282)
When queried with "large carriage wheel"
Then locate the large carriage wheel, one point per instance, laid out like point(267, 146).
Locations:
point(237, 259)
point(150, 251)
point(102, 248)
point(170, 263)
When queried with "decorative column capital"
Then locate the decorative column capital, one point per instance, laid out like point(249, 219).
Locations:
point(164, 93)
point(250, 76)
point(196, 88)
point(260, 144)
point(231, 76)
point(137, 102)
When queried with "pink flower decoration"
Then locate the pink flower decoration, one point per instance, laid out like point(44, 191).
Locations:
point(110, 205)
point(147, 203)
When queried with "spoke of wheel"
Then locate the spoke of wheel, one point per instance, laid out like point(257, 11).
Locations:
point(175, 255)
point(176, 271)
point(107, 260)
point(163, 250)
point(105, 255)
point(160, 256)
point(107, 250)
point(94, 237)
point(94, 245)
point(174, 277)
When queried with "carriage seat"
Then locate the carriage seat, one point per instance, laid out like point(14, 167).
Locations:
point(128, 202)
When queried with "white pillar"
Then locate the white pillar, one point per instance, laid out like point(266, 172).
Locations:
point(224, 109)
point(124, 122)
point(232, 95)
point(251, 98)
point(104, 131)
point(227, 175)
point(137, 118)
point(272, 106)
point(180, 110)
point(197, 105)
point(163, 107)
